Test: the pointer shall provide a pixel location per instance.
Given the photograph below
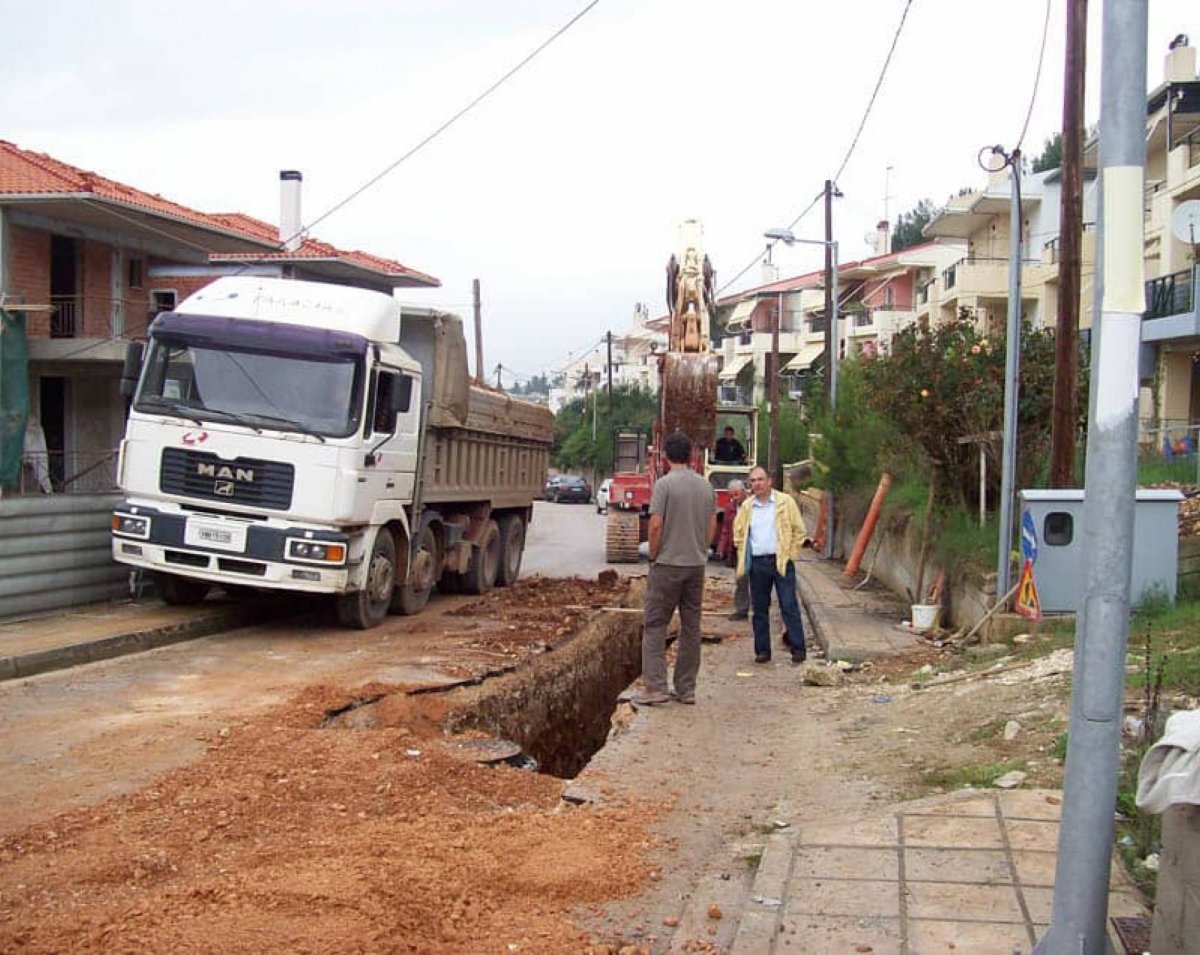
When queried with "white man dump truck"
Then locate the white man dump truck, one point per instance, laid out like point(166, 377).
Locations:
point(299, 436)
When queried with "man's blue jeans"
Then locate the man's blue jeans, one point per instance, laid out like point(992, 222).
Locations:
point(763, 578)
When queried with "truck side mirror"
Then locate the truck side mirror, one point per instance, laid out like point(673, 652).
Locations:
point(132, 370)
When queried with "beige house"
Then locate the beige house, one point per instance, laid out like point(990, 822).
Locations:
point(1171, 325)
point(876, 298)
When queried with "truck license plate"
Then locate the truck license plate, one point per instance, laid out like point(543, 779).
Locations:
point(221, 537)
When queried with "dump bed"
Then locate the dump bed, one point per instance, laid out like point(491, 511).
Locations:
point(480, 444)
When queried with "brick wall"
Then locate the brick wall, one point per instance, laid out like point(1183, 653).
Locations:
point(29, 274)
point(96, 290)
point(1177, 903)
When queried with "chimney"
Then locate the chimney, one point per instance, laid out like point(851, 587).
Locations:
point(290, 226)
point(1180, 65)
point(770, 272)
point(883, 230)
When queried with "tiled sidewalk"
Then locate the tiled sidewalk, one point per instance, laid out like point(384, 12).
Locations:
point(969, 872)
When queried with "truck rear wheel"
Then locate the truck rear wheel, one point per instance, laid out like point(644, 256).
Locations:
point(412, 596)
point(181, 591)
point(485, 562)
point(621, 536)
point(512, 548)
point(367, 607)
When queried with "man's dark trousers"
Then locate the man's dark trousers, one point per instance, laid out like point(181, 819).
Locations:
point(764, 577)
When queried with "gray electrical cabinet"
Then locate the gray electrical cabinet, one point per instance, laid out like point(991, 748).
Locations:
point(1056, 520)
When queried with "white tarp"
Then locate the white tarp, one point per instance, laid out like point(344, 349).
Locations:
point(1170, 771)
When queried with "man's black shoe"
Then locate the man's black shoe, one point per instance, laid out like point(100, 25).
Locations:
point(736, 615)
point(762, 658)
point(799, 657)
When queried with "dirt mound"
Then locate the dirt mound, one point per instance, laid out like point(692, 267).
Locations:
point(290, 835)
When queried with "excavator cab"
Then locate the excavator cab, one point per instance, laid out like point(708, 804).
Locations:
point(735, 450)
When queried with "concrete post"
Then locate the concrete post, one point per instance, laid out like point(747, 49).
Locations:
point(1078, 922)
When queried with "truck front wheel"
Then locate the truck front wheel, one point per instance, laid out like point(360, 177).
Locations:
point(512, 547)
point(485, 562)
point(181, 591)
point(367, 607)
point(412, 596)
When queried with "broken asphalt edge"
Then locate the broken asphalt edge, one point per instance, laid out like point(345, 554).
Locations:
point(20, 665)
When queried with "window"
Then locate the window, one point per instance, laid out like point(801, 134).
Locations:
point(889, 297)
point(162, 300)
point(393, 397)
point(1058, 529)
point(137, 273)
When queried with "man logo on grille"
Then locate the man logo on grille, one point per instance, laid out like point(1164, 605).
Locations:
point(223, 488)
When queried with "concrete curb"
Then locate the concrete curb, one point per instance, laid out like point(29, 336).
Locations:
point(760, 921)
point(823, 629)
point(21, 665)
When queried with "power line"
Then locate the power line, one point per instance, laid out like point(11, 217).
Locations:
point(853, 142)
point(451, 121)
point(1037, 77)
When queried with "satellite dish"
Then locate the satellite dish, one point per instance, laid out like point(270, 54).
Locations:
point(1185, 222)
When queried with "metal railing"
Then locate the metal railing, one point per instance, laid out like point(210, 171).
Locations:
point(117, 316)
point(1170, 295)
point(66, 472)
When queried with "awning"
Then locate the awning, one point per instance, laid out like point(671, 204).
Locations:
point(741, 313)
point(808, 354)
point(734, 368)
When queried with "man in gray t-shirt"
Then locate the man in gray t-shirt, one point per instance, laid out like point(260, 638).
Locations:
point(683, 520)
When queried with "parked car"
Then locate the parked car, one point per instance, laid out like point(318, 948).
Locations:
point(571, 488)
point(602, 496)
point(552, 486)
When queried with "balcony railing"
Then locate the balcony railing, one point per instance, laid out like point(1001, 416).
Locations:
point(1152, 188)
point(1170, 295)
point(118, 317)
point(67, 472)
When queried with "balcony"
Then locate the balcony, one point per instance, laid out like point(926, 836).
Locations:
point(1171, 307)
point(66, 472)
point(118, 317)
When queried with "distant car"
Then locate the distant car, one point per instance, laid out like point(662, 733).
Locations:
point(552, 486)
point(571, 488)
point(602, 496)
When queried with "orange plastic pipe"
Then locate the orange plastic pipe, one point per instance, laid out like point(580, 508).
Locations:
point(868, 528)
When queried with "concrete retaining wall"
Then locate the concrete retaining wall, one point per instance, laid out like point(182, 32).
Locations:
point(55, 552)
point(1177, 907)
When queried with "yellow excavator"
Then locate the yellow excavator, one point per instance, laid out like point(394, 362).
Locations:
point(687, 371)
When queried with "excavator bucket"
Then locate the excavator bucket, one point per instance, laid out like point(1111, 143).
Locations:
point(689, 395)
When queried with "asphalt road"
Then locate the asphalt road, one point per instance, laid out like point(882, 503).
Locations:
point(567, 540)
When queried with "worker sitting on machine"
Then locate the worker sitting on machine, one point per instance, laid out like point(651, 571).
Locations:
point(729, 449)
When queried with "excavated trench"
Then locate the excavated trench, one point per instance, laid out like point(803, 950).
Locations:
point(553, 713)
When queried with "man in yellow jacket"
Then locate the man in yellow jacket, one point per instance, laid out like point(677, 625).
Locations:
point(769, 534)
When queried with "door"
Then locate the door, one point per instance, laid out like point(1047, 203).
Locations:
point(53, 402)
point(393, 421)
point(67, 320)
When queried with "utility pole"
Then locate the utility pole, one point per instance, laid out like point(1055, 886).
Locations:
point(1066, 350)
point(499, 387)
point(773, 396)
point(1085, 836)
point(479, 336)
point(830, 293)
point(608, 340)
point(1012, 372)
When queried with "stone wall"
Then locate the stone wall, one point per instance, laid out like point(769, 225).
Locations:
point(1177, 907)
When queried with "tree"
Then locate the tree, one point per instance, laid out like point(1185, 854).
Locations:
point(909, 225)
point(1051, 157)
point(633, 409)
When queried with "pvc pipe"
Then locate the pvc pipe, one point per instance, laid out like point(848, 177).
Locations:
point(868, 528)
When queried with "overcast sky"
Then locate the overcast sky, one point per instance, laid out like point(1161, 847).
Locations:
point(563, 191)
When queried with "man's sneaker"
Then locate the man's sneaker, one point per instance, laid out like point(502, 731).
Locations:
point(739, 615)
point(762, 658)
point(651, 699)
point(689, 700)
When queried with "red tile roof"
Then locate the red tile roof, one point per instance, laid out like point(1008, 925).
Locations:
point(26, 173)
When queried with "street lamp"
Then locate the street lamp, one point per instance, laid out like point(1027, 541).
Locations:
point(787, 238)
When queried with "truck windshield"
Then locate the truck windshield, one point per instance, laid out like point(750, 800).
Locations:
point(290, 392)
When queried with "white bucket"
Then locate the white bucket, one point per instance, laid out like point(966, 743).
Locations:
point(924, 616)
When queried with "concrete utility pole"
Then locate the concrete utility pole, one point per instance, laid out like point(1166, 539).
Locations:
point(1078, 922)
point(479, 336)
point(1066, 349)
point(830, 294)
point(499, 387)
point(608, 339)
point(773, 396)
point(1012, 371)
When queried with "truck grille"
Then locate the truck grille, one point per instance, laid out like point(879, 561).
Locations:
point(248, 481)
